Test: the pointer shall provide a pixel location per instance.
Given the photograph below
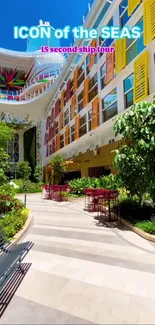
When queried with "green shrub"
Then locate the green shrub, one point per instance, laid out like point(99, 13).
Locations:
point(23, 170)
point(148, 226)
point(38, 173)
point(29, 187)
point(12, 223)
point(8, 202)
point(18, 182)
point(111, 182)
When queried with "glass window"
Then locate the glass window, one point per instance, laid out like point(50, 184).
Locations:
point(87, 64)
point(80, 101)
point(93, 92)
point(81, 75)
point(107, 42)
point(123, 12)
point(13, 149)
point(93, 81)
point(102, 14)
point(135, 47)
point(72, 133)
point(109, 106)
point(128, 91)
point(61, 141)
point(66, 116)
point(110, 112)
point(83, 125)
point(57, 127)
point(110, 98)
point(89, 120)
point(102, 75)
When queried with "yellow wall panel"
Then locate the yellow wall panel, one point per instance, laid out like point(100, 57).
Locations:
point(120, 54)
point(141, 77)
point(149, 21)
point(75, 80)
point(62, 100)
point(132, 5)
point(77, 127)
point(95, 113)
point(86, 92)
point(73, 107)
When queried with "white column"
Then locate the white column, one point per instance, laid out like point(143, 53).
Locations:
point(21, 146)
point(120, 96)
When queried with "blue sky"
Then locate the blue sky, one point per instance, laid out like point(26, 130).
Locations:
point(28, 13)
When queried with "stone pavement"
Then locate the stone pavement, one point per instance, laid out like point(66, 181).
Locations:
point(82, 272)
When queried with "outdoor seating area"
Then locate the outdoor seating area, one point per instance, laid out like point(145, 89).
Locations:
point(55, 192)
point(104, 202)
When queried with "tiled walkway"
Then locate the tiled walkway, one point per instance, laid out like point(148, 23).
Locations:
point(82, 272)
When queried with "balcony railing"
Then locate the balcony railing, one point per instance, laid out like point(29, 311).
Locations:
point(22, 95)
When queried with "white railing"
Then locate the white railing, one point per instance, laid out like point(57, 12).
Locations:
point(22, 96)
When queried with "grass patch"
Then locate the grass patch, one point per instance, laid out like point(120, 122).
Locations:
point(147, 226)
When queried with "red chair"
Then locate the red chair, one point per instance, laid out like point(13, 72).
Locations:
point(46, 189)
point(89, 193)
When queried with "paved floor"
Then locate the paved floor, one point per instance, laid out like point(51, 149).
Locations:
point(82, 272)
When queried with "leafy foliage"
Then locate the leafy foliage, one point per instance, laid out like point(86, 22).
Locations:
point(107, 182)
point(38, 173)
point(11, 223)
point(8, 202)
point(136, 161)
point(27, 186)
point(56, 169)
point(6, 134)
point(23, 170)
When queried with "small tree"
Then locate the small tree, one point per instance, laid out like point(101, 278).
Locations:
point(57, 169)
point(38, 173)
point(23, 170)
point(136, 161)
point(6, 134)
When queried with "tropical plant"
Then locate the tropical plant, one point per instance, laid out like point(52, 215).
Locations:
point(136, 160)
point(6, 134)
point(38, 173)
point(56, 169)
point(111, 182)
point(23, 170)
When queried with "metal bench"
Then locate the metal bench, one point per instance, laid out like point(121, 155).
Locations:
point(11, 256)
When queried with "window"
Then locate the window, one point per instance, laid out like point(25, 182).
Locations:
point(89, 120)
point(128, 91)
point(135, 46)
point(50, 149)
point(65, 98)
point(81, 75)
point(13, 149)
point(102, 14)
point(57, 127)
point(71, 89)
point(66, 116)
point(67, 136)
point(72, 133)
point(61, 141)
point(87, 64)
point(102, 75)
point(93, 87)
point(83, 125)
point(109, 106)
point(123, 13)
point(106, 42)
point(80, 101)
